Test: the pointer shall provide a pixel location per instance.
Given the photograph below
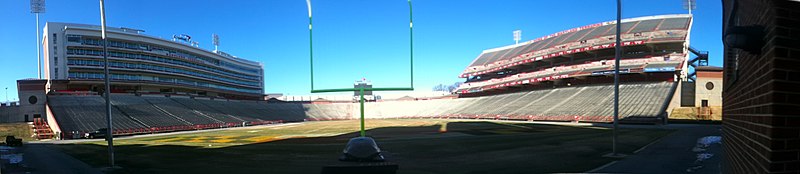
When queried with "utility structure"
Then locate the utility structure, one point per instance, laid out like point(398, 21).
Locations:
point(690, 5)
point(617, 54)
point(215, 41)
point(37, 6)
point(361, 90)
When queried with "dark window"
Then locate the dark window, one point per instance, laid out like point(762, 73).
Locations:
point(32, 99)
point(709, 86)
point(55, 38)
point(73, 38)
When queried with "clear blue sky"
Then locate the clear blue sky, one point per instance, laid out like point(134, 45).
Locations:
point(352, 38)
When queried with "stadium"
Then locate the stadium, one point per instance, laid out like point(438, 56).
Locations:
point(549, 98)
point(163, 86)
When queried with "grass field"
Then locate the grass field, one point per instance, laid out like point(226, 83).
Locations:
point(18, 130)
point(417, 146)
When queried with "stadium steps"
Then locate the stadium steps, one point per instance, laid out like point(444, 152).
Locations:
point(564, 101)
point(534, 100)
point(209, 111)
point(86, 113)
point(144, 111)
point(41, 129)
point(180, 111)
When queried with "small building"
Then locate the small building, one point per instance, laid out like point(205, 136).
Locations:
point(708, 91)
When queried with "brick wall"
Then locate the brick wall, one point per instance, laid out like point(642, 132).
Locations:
point(761, 97)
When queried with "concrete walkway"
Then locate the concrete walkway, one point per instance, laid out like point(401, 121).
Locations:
point(40, 158)
point(672, 153)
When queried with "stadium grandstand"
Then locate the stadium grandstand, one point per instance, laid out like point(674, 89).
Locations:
point(144, 64)
point(654, 45)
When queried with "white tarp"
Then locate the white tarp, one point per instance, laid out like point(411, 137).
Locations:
point(708, 140)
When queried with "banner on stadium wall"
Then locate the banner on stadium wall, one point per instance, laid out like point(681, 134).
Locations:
point(660, 69)
point(607, 72)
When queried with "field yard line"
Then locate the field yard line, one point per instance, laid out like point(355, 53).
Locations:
point(651, 143)
point(168, 133)
point(513, 125)
point(320, 128)
point(537, 122)
point(601, 167)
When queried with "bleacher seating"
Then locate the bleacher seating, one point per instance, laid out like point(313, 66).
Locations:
point(144, 114)
point(195, 105)
point(139, 109)
point(86, 113)
point(181, 111)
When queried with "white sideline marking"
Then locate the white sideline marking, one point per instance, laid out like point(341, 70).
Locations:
point(601, 167)
point(648, 145)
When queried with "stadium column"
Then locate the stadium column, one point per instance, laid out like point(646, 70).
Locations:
point(617, 50)
point(107, 76)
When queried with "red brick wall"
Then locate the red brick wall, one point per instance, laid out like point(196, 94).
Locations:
point(761, 97)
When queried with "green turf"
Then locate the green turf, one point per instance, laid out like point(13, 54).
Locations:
point(418, 146)
point(18, 130)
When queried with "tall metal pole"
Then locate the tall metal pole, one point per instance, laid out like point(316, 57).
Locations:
point(617, 50)
point(310, 43)
point(363, 133)
point(107, 76)
point(38, 50)
point(411, 39)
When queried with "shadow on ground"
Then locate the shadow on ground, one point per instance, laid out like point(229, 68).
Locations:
point(466, 147)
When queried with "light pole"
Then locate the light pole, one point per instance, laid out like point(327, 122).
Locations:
point(617, 51)
point(37, 6)
point(107, 76)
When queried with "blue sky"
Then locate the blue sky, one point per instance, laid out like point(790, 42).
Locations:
point(352, 38)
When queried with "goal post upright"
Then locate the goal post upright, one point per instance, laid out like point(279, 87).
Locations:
point(362, 89)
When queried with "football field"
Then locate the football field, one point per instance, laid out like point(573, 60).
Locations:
point(418, 146)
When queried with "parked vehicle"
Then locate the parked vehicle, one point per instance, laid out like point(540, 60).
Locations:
point(99, 133)
point(13, 141)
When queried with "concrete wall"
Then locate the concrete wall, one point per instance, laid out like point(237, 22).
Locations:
point(9, 114)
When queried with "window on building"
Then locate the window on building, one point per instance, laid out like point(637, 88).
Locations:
point(56, 73)
point(55, 61)
point(55, 38)
point(73, 38)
